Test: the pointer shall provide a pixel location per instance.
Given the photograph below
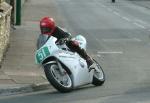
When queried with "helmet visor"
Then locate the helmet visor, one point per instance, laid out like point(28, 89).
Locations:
point(45, 30)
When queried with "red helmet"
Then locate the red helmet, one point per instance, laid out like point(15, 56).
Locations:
point(47, 25)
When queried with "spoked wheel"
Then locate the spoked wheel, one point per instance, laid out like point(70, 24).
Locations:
point(99, 76)
point(61, 80)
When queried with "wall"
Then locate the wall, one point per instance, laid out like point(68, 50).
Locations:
point(5, 13)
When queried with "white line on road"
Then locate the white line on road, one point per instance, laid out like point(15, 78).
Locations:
point(122, 40)
point(125, 18)
point(64, 0)
point(140, 21)
point(110, 52)
point(138, 40)
point(116, 13)
point(139, 25)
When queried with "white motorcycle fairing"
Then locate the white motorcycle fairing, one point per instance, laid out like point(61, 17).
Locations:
point(76, 65)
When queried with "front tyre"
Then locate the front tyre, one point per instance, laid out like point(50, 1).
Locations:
point(61, 81)
point(99, 76)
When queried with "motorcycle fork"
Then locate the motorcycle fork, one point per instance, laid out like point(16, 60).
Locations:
point(62, 72)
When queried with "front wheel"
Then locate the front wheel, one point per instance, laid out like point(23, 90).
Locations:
point(61, 81)
point(99, 76)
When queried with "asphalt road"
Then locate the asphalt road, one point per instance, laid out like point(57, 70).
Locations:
point(118, 37)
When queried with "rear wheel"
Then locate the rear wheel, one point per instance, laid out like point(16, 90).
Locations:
point(99, 76)
point(61, 81)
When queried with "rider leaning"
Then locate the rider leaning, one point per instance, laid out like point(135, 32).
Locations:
point(48, 27)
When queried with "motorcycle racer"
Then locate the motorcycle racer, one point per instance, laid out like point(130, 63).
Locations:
point(48, 27)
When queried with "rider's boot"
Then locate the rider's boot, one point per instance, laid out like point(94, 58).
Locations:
point(90, 62)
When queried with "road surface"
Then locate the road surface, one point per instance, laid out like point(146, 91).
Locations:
point(118, 36)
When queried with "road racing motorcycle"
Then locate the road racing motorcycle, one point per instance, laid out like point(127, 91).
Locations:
point(64, 69)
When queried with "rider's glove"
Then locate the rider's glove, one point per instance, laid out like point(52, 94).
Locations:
point(75, 43)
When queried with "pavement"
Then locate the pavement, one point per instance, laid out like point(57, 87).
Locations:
point(18, 72)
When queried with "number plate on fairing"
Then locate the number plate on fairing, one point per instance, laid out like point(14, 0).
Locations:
point(42, 54)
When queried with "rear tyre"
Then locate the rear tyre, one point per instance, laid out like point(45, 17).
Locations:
point(99, 76)
point(62, 82)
